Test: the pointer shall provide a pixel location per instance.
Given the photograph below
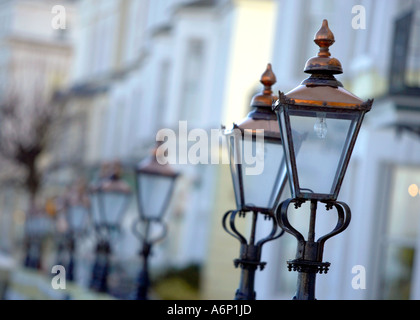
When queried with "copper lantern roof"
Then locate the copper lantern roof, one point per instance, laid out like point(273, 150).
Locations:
point(322, 88)
point(263, 117)
point(152, 165)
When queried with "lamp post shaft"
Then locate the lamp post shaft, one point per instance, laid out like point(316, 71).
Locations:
point(246, 289)
point(306, 286)
point(307, 279)
point(250, 252)
point(249, 264)
point(143, 282)
point(101, 267)
point(144, 279)
point(311, 233)
point(71, 264)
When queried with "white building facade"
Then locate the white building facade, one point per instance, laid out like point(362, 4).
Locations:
point(142, 66)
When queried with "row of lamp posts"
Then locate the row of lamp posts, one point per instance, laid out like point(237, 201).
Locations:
point(106, 201)
point(314, 125)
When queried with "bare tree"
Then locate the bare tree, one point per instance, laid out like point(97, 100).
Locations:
point(27, 114)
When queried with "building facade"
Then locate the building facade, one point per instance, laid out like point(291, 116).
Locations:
point(139, 66)
point(146, 65)
point(142, 66)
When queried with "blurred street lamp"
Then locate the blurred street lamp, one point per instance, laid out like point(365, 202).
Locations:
point(37, 227)
point(329, 118)
point(155, 184)
point(109, 199)
point(33, 242)
point(76, 208)
point(256, 192)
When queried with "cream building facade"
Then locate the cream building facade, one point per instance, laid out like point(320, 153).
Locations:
point(142, 66)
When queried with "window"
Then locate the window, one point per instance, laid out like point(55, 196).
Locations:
point(190, 100)
point(402, 231)
point(161, 100)
point(405, 60)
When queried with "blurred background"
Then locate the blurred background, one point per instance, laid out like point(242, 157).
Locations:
point(85, 83)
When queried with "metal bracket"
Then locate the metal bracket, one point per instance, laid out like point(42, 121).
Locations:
point(144, 238)
point(250, 256)
point(308, 266)
point(309, 254)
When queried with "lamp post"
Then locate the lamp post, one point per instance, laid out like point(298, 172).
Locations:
point(37, 228)
point(109, 200)
point(30, 245)
point(329, 118)
point(258, 185)
point(76, 212)
point(155, 184)
point(34, 233)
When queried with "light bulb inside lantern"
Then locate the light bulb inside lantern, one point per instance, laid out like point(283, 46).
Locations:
point(320, 127)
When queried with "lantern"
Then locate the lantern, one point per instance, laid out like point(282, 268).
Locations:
point(256, 153)
point(155, 185)
point(322, 120)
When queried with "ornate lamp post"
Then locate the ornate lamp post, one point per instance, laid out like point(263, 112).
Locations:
point(109, 199)
point(155, 184)
point(258, 192)
point(76, 212)
point(329, 118)
point(36, 228)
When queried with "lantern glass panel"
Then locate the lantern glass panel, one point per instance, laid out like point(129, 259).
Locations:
point(76, 216)
point(262, 171)
point(95, 209)
point(154, 194)
point(114, 204)
point(323, 150)
point(258, 171)
point(108, 207)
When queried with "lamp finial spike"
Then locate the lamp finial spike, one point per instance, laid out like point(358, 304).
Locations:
point(324, 38)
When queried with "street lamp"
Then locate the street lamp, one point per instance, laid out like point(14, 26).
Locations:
point(329, 118)
point(76, 208)
point(109, 199)
point(37, 227)
point(258, 181)
point(155, 182)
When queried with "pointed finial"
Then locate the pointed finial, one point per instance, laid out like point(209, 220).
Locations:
point(157, 153)
point(268, 79)
point(324, 39)
point(265, 98)
point(116, 169)
point(156, 163)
